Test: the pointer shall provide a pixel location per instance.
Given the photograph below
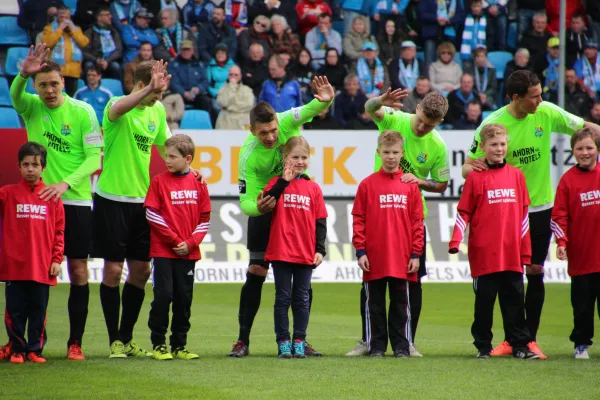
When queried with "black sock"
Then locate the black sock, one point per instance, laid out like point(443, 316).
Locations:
point(534, 302)
point(110, 298)
point(249, 305)
point(79, 298)
point(415, 294)
point(133, 299)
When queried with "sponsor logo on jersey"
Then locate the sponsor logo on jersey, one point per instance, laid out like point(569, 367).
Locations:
point(539, 131)
point(56, 143)
point(406, 166)
point(527, 155)
point(65, 130)
point(393, 200)
point(474, 145)
point(32, 211)
point(184, 196)
point(242, 186)
point(422, 158)
point(590, 198)
point(151, 126)
point(296, 201)
point(502, 196)
point(143, 142)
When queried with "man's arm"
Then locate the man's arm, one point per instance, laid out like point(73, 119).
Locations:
point(296, 117)
point(374, 106)
point(32, 64)
point(158, 83)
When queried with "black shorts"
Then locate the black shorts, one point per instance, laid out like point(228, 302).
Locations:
point(120, 231)
point(540, 232)
point(78, 231)
point(259, 230)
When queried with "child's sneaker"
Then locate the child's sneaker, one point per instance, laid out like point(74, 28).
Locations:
point(183, 354)
point(75, 353)
point(299, 346)
point(285, 349)
point(5, 351)
point(35, 358)
point(534, 348)
point(239, 350)
point(525, 353)
point(376, 353)
point(581, 352)
point(413, 351)
point(361, 349)
point(161, 353)
point(132, 349)
point(484, 354)
point(399, 353)
point(503, 349)
point(310, 351)
point(17, 358)
point(117, 350)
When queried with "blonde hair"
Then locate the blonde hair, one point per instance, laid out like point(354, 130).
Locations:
point(183, 143)
point(446, 46)
point(390, 138)
point(293, 142)
point(492, 130)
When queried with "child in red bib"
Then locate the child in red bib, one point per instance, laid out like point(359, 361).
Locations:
point(296, 244)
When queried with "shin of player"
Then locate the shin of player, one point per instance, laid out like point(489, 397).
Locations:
point(575, 224)
point(388, 238)
point(31, 254)
point(132, 125)
point(300, 208)
point(178, 211)
point(492, 201)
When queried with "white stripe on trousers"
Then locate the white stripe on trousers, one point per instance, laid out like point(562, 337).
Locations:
point(367, 317)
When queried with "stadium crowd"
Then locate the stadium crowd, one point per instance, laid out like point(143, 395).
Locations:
point(464, 49)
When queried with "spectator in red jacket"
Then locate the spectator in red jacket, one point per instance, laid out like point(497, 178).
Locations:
point(30, 255)
point(495, 202)
point(308, 14)
point(575, 226)
point(388, 238)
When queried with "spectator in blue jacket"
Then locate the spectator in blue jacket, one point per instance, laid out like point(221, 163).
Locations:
point(320, 38)
point(93, 93)
point(216, 32)
point(384, 10)
point(196, 13)
point(188, 78)
point(123, 12)
point(137, 33)
point(281, 92)
point(440, 21)
point(349, 106)
point(218, 70)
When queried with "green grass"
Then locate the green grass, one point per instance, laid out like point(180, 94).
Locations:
point(448, 370)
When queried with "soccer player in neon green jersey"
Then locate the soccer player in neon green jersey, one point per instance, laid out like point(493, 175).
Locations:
point(529, 122)
point(132, 124)
point(424, 162)
point(69, 130)
point(259, 161)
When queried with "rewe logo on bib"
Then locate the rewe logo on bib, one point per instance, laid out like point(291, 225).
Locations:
point(502, 196)
point(296, 201)
point(393, 200)
point(590, 198)
point(32, 211)
point(184, 196)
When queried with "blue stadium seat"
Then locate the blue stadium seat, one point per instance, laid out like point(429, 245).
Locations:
point(9, 118)
point(14, 58)
point(80, 83)
point(485, 114)
point(339, 27)
point(72, 4)
point(511, 40)
point(12, 34)
point(499, 59)
point(29, 88)
point(113, 85)
point(4, 93)
point(420, 56)
point(196, 119)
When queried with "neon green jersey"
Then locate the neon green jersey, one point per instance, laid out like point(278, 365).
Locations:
point(529, 145)
point(70, 133)
point(129, 139)
point(257, 164)
point(424, 156)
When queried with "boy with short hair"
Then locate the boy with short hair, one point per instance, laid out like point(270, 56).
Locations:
point(30, 255)
point(496, 203)
point(388, 238)
point(178, 211)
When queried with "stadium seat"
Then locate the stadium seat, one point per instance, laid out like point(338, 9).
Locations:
point(196, 119)
point(339, 27)
point(499, 59)
point(4, 93)
point(80, 83)
point(113, 85)
point(485, 114)
point(420, 56)
point(72, 4)
point(14, 58)
point(12, 34)
point(511, 40)
point(29, 88)
point(9, 118)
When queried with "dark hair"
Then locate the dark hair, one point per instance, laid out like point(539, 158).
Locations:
point(33, 149)
point(62, 7)
point(585, 133)
point(474, 103)
point(143, 72)
point(93, 68)
point(49, 67)
point(336, 53)
point(578, 15)
point(101, 9)
point(262, 113)
point(422, 78)
point(145, 42)
point(519, 83)
point(476, 1)
point(325, 15)
point(307, 52)
point(479, 50)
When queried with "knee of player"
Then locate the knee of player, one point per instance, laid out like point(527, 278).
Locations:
point(258, 270)
point(112, 273)
point(78, 271)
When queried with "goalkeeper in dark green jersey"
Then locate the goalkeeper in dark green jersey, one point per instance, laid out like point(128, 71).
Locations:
point(260, 160)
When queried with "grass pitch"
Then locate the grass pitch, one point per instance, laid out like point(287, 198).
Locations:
point(448, 370)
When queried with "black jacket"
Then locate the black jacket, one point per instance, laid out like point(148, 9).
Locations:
point(537, 45)
point(456, 108)
point(577, 102)
point(254, 74)
point(348, 108)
